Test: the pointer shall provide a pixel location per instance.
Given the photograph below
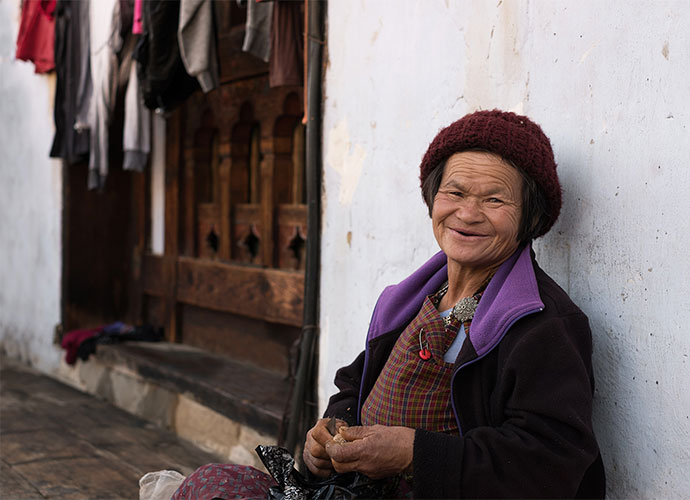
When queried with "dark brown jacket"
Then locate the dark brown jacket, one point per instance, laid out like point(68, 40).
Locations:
point(522, 395)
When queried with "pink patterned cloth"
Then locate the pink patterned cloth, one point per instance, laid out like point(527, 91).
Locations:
point(224, 481)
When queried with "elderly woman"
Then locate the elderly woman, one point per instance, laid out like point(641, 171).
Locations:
point(476, 380)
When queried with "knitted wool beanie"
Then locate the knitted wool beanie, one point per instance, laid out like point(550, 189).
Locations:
point(513, 137)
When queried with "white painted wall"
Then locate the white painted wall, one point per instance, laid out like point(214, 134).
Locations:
point(610, 84)
point(30, 206)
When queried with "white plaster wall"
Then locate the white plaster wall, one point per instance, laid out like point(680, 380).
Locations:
point(610, 84)
point(30, 206)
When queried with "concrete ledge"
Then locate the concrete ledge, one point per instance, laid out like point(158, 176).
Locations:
point(221, 406)
point(246, 394)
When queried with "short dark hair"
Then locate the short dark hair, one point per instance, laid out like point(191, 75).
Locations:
point(534, 217)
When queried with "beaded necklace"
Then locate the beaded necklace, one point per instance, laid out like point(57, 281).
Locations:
point(465, 308)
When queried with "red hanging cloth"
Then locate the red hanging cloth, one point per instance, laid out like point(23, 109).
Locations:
point(36, 39)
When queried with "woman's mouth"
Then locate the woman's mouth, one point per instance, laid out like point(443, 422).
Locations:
point(468, 234)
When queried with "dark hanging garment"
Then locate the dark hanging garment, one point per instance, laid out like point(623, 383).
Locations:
point(36, 39)
point(126, 18)
point(286, 65)
point(164, 81)
point(73, 89)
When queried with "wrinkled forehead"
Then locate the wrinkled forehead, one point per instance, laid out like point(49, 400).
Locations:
point(481, 173)
point(480, 157)
point(482, 165)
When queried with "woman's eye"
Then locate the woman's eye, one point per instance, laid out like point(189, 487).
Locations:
point(495, 200)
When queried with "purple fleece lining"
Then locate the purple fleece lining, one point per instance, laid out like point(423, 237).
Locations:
point(399, 303)
point(511, 293)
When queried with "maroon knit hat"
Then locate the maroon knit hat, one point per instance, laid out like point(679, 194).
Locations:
point(513, 137)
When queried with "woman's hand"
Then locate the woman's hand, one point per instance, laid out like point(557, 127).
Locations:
point(314, 454)
point(377, 451)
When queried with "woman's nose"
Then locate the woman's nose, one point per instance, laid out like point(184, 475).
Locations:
point(469, 211)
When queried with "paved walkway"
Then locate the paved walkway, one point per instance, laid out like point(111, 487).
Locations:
point(57, 442)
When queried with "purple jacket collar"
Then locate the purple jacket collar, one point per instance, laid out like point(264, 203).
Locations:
point(511, 294)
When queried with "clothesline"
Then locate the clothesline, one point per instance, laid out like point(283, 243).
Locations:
point(162, 50)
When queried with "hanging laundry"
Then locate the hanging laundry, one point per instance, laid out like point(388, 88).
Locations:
point(197, 40)
point(114, 72)
point(104, 19)
point(164, 81)
point(126, 18)
point(137, 23)
point(286, 66)
point(136, 134)
point(36, 39)
point(73, 89)
point(257, 33)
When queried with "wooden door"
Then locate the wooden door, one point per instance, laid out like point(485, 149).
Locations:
point(231, 279)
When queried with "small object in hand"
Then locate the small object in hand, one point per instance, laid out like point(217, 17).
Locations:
point(335, 432)
point(331, 426)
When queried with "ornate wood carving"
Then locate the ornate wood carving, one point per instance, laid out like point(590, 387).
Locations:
point(235, 214)
point(267, 294)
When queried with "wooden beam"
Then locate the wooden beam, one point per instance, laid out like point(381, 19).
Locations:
point(225, 210)
point(268, 294)
point(173, 152)
point(190, 208)
point(138, 230)
point(172, 184)
point(266, 248)
point(292, 215)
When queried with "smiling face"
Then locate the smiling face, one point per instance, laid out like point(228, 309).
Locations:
point(476, 212)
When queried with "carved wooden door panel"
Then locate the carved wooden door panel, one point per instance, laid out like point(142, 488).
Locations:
point(232, 278)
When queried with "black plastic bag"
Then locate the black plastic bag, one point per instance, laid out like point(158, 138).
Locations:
point(292, 485)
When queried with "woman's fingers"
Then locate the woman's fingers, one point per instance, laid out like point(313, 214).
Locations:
point(315, 456)
point(377, 451)
point(321, 433)
point(315, 449)
point(357, 432)
point(344, 452)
